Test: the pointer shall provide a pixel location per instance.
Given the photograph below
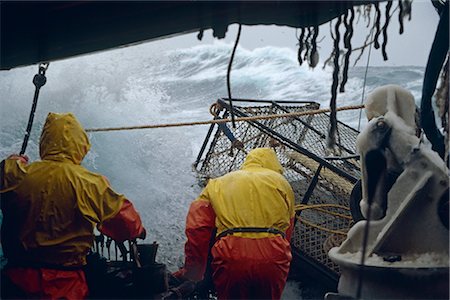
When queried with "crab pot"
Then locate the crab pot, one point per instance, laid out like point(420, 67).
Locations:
point(317, 179)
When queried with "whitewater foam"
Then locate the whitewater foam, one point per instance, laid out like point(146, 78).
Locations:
point(135, 86)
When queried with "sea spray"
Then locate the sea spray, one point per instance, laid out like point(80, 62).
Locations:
point(136, 85)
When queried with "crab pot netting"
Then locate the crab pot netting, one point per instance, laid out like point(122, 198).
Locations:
point(318, 229)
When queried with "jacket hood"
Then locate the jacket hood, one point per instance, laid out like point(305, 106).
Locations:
point(264, 158)
point(63, 139)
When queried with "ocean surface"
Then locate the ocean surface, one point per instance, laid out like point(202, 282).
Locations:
point(139, 85)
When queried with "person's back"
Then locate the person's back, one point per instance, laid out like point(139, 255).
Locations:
point(252, 210)
point(255, 196)
point(50, 208)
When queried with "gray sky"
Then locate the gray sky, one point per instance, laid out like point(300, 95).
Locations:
point(411, 48)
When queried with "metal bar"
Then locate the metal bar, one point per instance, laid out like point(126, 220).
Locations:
point(205, 142)
point(287, 142)
point(312, 270)
point(213, 142)
point(312, 128)
point(312, 185)
point(347, 126)
point(356, 156)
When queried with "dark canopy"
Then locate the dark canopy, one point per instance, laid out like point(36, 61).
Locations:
point(33, 32)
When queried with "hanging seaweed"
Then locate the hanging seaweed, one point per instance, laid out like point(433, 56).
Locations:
point(200, 34)
point(314, 55)
point(331, 139)
point(404, 8)
point(300, 46)
point(330, 57)
point(400, 16)
point(364, 46)
point(386, 24)
point(348, 45)
point(308, 47)
point(367, 10)
point(358, 11)
point(377, 25)
point(307, 44)
point(406, 5)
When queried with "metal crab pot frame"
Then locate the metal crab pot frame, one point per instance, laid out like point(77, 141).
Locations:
point(322, 183)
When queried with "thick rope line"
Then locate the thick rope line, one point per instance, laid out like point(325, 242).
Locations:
point(219, 121)
point(229, 73)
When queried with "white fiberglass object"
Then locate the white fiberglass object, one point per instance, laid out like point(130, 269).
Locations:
point(406, 184)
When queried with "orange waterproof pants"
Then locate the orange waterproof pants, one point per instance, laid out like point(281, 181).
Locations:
point(45, 283)
point(245, 268)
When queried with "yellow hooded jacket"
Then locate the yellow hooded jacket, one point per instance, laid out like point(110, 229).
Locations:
point(258, 195)
point(51, 206)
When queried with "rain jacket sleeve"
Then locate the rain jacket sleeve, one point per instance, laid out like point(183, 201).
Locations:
point(200, 225)
point(115, 215)
point(12, 171)
point(125, 225)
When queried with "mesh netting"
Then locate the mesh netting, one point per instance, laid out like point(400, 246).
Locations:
point(300, 144)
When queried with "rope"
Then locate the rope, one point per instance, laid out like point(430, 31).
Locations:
point(320, 207)
point(326, 174)
point(321, 227)
point(229, 74)
point(364, 84)
point(219, 121)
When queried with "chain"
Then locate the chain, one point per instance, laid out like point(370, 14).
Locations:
point(39, 81)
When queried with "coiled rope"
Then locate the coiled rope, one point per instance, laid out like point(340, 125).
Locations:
point(219, 121)
point(321, 208)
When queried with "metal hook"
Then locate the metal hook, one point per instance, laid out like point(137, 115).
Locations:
point(43, 67)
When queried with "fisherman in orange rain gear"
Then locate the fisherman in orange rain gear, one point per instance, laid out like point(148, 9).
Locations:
point(50, 208)
point(253, 212)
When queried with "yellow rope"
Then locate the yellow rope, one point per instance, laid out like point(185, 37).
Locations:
point(313, 206)
point(219, 121)
point(330, 176)
point(321, 227)
point(320, 207)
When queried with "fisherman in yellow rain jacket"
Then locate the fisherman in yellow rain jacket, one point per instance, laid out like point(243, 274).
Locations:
point(50, 208)
point(253, 211)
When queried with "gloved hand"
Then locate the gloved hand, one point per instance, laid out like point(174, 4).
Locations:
point(143, 234)
point(23, 158)
point(180, 291)
point(179, 275)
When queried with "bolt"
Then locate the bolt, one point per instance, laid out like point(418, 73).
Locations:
point(381, 124)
